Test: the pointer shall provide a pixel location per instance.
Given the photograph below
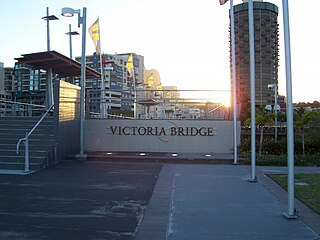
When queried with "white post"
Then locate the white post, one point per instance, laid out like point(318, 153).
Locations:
point(234, 82)
point(253, 96)
point(291, 210)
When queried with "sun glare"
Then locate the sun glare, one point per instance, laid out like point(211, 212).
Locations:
point(221, 97)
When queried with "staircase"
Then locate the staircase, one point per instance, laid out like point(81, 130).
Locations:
point(42, 144)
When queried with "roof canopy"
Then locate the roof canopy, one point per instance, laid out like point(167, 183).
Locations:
point(60, 64)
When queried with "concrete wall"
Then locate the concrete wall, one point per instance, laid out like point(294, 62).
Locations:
point(188, 136)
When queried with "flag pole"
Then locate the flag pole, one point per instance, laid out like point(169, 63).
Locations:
point(135, 92)
point(252, 90)
point(103, 88)
point(291, 214)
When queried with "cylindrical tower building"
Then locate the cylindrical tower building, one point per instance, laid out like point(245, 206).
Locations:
point(266, 35)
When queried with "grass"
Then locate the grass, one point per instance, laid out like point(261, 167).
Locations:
point(308, 193)
point(311, 160)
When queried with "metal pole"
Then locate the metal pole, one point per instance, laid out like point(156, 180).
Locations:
point(276, 112)
point(253, 96)
point(83, 79)
point(49, 90)
point(26, 153)
point(234, 82)
point(48, 31)
point(103, 109)
point(291, 210)
point(70, 41)
point(135, 104)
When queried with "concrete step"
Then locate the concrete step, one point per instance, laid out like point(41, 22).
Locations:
point(20, 126)
point(13, 152)
point(41, 142)
point(26, 122)
point(17, 135)
point(32, 147)
point(20, 159)
point(20, 166)
point(32, 142)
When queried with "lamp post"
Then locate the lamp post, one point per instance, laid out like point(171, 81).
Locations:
point(234, 91)
point(49, 91)
point(48, 18)
point(70, 33)
point(69, 12)
point(253, 94)
point(291, 214)
point(274, 87)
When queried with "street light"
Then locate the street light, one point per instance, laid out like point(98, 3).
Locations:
point(274, 87)
point(234, 92)
point(49, 91)
point(291, 214)
point(69, 12)
point(253, 92)
point(48, 18)
point(70, 33)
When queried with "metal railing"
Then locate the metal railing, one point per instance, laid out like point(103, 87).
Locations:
point(159, 104)
point(26, 141)
point(12, 108)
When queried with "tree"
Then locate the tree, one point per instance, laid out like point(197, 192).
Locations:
point(262, 119)
point(303, 121)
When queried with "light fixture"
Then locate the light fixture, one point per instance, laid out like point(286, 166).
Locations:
point(223, 1)
point(69, 12)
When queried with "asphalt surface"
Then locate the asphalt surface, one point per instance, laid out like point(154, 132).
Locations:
point(146, 201)
point(76, 201)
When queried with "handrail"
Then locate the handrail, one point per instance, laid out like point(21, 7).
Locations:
point(26, 140)
point(20, 103)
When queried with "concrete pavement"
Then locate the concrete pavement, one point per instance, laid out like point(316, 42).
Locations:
point(218, 202)
point(99, 200)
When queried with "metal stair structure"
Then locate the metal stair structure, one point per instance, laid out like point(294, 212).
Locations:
point(42, 143)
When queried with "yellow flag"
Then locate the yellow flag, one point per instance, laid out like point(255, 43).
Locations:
point(94, 32)
point(159, 87)
point(150, 80)
point(129, 65)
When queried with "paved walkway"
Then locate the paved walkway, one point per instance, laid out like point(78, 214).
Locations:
point(218, 202)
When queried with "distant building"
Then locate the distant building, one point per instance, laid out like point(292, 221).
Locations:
point(4, 94)
point(119, 94)
point(29, 86)
point(266, 31)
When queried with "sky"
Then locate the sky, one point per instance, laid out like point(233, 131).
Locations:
point(185, 40)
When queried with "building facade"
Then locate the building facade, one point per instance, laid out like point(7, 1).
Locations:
point(28, 85)
point(266, 36)
point(119, 94)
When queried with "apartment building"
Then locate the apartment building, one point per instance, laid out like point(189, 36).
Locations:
point(266, 36)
